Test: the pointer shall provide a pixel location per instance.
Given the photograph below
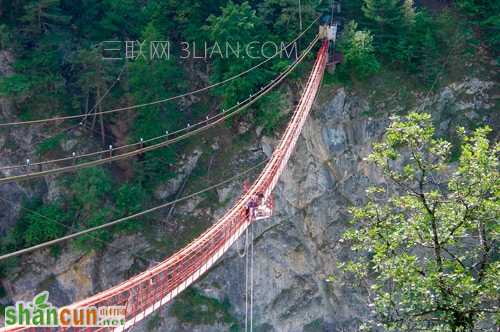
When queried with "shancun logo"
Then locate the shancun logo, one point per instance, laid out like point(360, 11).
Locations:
point(41, 313)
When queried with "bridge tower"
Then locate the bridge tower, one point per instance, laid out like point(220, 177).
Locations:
point(331, 24)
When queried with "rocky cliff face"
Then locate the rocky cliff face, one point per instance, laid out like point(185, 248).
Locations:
point(298, 249)
point(295, 252)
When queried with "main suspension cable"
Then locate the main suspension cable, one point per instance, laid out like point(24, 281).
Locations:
point(219, 118)
point(112, 149)
point(133, 216)
point(132, 107)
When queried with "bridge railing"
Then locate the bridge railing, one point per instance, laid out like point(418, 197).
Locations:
point(148, 291)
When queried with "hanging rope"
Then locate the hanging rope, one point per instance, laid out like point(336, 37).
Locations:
point(246, 280)
point(251, 274)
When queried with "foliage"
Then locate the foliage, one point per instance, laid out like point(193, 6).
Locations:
point(39, 222)
point(390, 20)
point(196, 308)
point(270, 113)
point(281, 16)
point(428, 251)
point(153, 79)
point(485, 15)
point(5, 37)
point(91, 187)
point(43, 222)
point(130, 198)
point(238, 24)
point(359, 53)
point(42, 15)
point(14, 85)
point(155, 167)
point(154, 322)
point(420, 49)
point(95, 240)
point(49, 144)
point(92, 190)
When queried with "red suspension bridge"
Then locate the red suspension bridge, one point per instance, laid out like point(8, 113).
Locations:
point(147, 292)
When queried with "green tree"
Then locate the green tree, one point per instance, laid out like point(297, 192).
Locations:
point(5, 37)
point(237, 25)
point(359, 53)
point(43, 222)
point(130, 198)
point(486, 15)
point(91, 188)
point(270, 113)
point(94, 79)
point(390, 21)
point(151, 80)
point(283, 16)
point(97, 239)
point(419, 52)
point(42, 15)
point(14, 85)
point(92, 196)
point(124, 18)
point(428, 252)
point(38, 35)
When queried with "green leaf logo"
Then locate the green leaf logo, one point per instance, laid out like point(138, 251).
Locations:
point(40, 300)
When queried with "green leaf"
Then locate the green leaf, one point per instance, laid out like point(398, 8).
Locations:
point(41, 298)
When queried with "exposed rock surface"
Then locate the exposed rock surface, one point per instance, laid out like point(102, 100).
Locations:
point(299, 248)
point(295, 251)
point(184, 169)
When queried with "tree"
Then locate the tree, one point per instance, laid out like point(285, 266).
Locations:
point(270, 114)
point(91, 188)
point(49, 227)
point(41, 15)
point(92, 192)
point(486, 14)
point(237, 25)
point(151, 80)
point(39, 41)
point(430, 249)
point(419, 52)
point(5, 37)
point(390, 20)
point(94, 79)
point(39, 223)
point(283, 16)
point(123, 18)
point(359, 53)
point(130, 198)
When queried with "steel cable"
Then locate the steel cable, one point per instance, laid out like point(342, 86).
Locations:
point(121, 220)
point(79, 116)
point(221, 117)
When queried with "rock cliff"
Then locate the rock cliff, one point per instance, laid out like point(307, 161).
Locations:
point(297, 286)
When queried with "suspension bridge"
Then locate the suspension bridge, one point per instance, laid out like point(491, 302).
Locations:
point(147, 292)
